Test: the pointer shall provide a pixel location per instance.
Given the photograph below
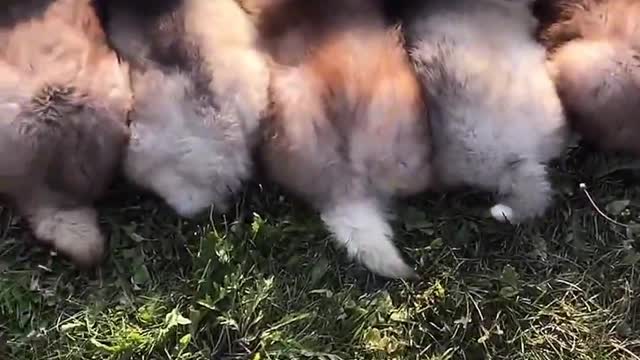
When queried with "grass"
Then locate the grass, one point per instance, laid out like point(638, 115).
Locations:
point(265, 282)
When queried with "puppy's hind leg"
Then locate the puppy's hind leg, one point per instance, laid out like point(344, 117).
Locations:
point(361, 227)
point(524, 191)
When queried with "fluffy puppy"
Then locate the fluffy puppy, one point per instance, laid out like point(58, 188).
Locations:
point(347, 129)
point(200, 89)
point(63, 103)
point(495, 115)
point(594, 57)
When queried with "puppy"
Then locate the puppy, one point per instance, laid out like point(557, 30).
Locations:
point(347, 129)
point(200, 87)
point(594, 57)
point(63, 102)
point(495, 115)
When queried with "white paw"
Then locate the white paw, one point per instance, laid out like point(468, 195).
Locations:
point(502, 213)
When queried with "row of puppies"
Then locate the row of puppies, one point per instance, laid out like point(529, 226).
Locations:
point(341, 107)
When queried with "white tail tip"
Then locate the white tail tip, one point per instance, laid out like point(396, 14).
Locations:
point(502, 213)
point(362, 228)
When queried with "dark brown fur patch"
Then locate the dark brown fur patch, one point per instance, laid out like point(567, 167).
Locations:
point(161, 25)
point(561, 21)
point(52, 103)
point(12, 11)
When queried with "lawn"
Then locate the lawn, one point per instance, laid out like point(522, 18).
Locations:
point(266, 282)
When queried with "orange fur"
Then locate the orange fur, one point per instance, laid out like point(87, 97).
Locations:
point(349, 127)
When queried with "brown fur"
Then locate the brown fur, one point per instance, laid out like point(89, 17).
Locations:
point(64, 98)
point(594, 57)
point(348, 123)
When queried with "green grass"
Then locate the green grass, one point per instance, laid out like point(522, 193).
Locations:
point(265, 282)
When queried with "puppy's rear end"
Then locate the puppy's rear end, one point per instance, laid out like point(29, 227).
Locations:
point(595, 61)
point(201, 89)
point(67, 127)
point(348, 129)
point(496, 117)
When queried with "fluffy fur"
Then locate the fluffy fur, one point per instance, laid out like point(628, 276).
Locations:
point(200, 88)
point(594, 56)
point(347, 130)
point(63, 103)
point(495, 115)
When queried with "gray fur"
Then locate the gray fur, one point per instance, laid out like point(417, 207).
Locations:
point(495, 115)
point(200, 89)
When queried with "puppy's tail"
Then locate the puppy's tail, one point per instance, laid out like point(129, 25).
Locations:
point(525, 192)
point(361, 227)
point(74, 232)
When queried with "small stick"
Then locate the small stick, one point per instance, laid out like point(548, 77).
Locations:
point(583, 187)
